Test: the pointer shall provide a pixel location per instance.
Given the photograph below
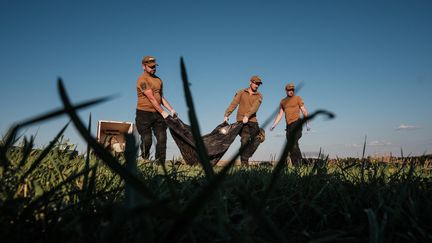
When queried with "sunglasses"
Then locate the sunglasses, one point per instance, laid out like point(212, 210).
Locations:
point(152, 67)
point(290, 90)
point(257, 83)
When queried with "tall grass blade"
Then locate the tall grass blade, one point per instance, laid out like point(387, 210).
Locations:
point(132, 198)
point(201, 149)
point(363, 162)
point(104, 155)
point(87, 161)
point(364, 148)
point(60, 112)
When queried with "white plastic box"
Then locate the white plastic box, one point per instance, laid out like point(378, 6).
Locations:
point(111, 134)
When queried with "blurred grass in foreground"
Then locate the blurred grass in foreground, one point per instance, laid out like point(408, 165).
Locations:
point(55, 195)
point(350, 201)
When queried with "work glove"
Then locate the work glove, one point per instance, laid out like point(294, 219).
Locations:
point(164, 114)
point(173, 113)
point(245, 119)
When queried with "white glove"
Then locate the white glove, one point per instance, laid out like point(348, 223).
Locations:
point(245, 119)
point(225, 119)
point(173, 113)
point(164, 114)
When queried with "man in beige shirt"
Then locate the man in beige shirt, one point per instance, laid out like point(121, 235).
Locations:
point(291, 105)
point(248, 100)
point(149, 112)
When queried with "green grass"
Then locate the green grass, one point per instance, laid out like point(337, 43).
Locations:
point(51, 195)
point(318, 202)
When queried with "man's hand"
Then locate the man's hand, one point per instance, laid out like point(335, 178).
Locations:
point(226, 119)
point(272, 128)
point(308, 128)
point(173, 113)
point(164, 114)
point(245, 119)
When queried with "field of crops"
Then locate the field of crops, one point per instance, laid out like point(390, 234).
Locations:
point(55, 195)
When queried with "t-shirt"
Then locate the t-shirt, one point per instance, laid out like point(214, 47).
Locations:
point(147, 81)
point(291, 107)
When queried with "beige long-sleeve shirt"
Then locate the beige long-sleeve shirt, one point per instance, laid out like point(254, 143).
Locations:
point(248, 105)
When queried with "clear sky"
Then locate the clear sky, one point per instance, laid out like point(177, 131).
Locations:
point(369, 62)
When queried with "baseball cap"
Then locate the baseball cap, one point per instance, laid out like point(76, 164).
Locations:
point(289, 86)
point(256, 79)
point(150, 61)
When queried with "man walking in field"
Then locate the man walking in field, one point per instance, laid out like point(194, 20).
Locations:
point(291, 106)
point(149, 112)
point(248, 100)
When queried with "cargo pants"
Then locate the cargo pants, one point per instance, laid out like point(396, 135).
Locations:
point(294, 153)
point(248, 131)
point(146, 123)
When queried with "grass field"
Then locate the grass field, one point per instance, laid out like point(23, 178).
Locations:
point(66, 198)
point(54, 195)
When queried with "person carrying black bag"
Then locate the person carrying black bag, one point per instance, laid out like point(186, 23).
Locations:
point(248, 100)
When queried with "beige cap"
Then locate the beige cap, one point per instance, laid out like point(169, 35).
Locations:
point(256, 79)
point(149, 61)
point(289, 86)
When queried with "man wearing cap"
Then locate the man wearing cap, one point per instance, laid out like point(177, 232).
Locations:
point(249, 101)
point(149, 112)
point(291, 106)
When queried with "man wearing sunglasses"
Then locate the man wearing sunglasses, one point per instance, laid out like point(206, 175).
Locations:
point(291, 105)
point(248, 101)
point(149, 112)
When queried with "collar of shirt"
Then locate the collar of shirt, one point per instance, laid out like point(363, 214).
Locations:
point(247, 91)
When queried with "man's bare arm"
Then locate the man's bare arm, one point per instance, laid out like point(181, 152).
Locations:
point(305, 114)
point(149, 94)
point(277, 119)
point(169, 107)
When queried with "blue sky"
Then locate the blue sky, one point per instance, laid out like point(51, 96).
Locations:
point(369, 62)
